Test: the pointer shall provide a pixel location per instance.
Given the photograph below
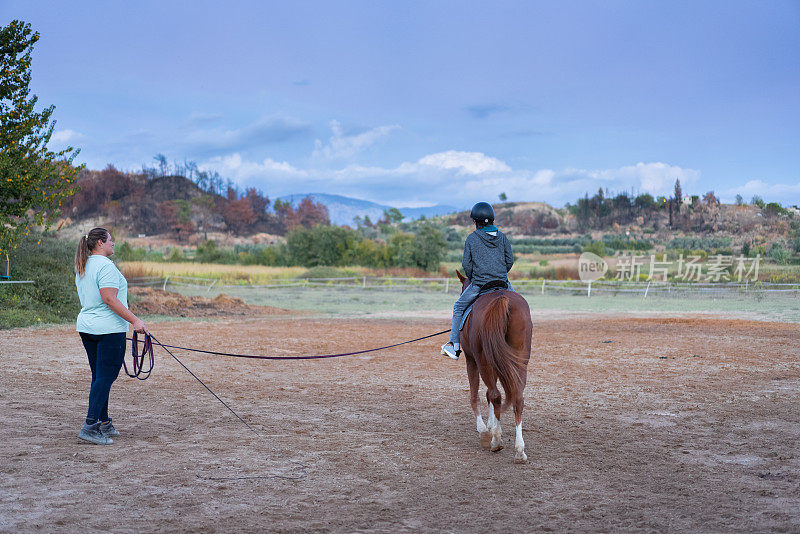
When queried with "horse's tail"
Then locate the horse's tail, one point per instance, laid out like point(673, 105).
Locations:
point(499, 354)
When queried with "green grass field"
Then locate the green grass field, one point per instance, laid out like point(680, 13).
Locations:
point(353, 301)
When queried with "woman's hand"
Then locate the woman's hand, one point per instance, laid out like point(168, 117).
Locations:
point(139, 326)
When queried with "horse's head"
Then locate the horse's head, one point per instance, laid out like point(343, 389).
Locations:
point(464, 280)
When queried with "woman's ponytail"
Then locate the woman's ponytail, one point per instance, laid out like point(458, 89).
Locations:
point(86, 245)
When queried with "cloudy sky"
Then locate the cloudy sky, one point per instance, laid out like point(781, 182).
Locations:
point(417, 103)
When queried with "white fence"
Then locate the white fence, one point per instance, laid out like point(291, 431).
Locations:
point(543, 287)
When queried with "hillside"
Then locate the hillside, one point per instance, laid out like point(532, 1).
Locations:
point(175, 209)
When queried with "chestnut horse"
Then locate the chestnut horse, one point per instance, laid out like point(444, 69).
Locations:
point(496, 341)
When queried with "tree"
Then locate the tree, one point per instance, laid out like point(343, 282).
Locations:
point(503, 197)
point(678, 194)
point(739, 200)
point(206, 205)
point(393, 215)
point(710, 199)
point(239, 215)
point(645, 202)
point(309, 214)
point(34, 181)
point(429, 248)
point(163, 166)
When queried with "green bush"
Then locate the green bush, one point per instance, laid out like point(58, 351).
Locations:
point(746, 249)
point(52, 298)
point(597, 247)
point(207, 252)
point(175, 255)
point(322, 245)
point(708, 244)
point(773, 209)
point(125, 252)
point(779, 254)
point(338, 246)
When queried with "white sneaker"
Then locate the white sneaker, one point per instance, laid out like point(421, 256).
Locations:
point(449, 350)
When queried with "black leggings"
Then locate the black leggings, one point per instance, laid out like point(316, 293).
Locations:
point(105, 353)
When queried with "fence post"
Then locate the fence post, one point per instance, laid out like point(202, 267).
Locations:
point(364, 282)
point(446, 285)
point(646, 289)
point(542, 286)
point(164, 287)
point(589, 290)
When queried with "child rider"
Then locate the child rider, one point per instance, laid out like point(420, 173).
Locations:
point(487, 257)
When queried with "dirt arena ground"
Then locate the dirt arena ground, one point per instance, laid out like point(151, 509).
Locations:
point(631, 424)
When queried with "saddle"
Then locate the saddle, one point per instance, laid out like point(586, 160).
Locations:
point(493, 285)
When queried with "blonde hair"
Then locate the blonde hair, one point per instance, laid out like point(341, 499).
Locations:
point(86, 245)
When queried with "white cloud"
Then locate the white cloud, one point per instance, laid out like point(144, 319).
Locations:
point(783, 193)
point(347, 146)
point(655, 178)
point(239, 170)
point(63, 137)
point(465, 162)
point(450, 177)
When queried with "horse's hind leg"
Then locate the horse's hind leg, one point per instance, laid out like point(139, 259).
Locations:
point(494, 398)
point(519, 444)
point(474, 384)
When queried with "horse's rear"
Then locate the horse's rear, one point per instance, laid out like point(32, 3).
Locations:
point(496, 340)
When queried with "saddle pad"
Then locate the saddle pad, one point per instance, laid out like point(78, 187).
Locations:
point(464, 318)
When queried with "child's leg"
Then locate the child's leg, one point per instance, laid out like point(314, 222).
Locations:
point(467, 297)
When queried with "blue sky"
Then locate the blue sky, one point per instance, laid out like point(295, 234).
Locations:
point(418, 103)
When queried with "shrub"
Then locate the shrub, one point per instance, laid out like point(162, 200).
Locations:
point(322, 245)
point(704, 243)
point(773, 209)
point(779, 254)
point(125, 252)
point(597, 247)
point(52, 298)
point(746, 249)
point(175, 255)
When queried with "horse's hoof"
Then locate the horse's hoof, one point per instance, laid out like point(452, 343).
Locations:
point(521, 458)
point(486, 440)
point(497, 448)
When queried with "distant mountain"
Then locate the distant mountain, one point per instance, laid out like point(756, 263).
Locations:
point(342, 210)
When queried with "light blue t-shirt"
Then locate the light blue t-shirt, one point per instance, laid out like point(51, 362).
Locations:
point(95, 316)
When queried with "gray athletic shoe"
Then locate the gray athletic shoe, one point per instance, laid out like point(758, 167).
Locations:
point(108, 430)
point(450, 351)
point(92, 434)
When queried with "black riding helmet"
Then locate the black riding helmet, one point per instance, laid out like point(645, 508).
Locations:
point(482, 212)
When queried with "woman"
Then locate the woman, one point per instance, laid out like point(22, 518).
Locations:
point(102, 325)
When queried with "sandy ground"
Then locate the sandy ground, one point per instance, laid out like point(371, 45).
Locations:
point(650, 424)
